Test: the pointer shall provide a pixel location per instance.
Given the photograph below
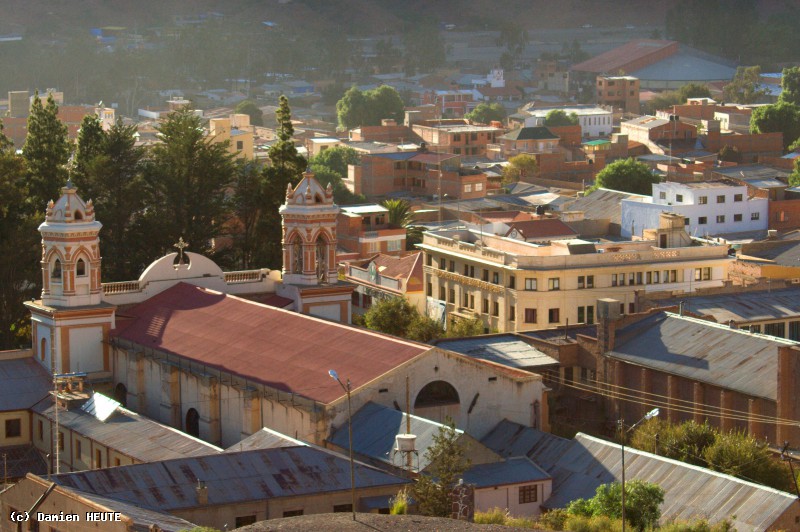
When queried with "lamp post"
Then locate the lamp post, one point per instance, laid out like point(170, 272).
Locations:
point(623, 432)
point(335, 376)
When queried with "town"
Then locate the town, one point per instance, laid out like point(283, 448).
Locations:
point(471, 267)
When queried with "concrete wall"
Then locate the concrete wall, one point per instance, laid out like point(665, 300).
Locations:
point(24, 418)
point(507, 498)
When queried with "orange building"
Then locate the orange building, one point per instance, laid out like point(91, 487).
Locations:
point(364, 230)
point(457, 136)
point(620, 92)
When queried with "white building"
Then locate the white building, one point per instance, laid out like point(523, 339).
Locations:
point(709, 208)
point(594, 121)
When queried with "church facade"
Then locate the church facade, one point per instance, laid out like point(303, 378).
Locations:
point(220, 355)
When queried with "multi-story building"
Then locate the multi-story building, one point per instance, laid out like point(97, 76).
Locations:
point(364, 230)
point(708, 208)
point(450, 103)
point(517, 286)
point(594, 121)
point(457, 136)
point(619, 92)
point(237, 131)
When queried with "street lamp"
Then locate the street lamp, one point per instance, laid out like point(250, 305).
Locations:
point(623, 431)
point(335, 376)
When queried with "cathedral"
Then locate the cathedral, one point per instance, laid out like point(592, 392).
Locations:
point(219, 355)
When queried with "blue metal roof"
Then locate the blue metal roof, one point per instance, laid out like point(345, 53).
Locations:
point(516, 470)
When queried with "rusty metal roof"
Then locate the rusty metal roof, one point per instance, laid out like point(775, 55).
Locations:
point(703, 351)
point(22, 459)
point(264, 439)
point(579, 466)
point(129, 433)
point(143, 518)
point(23, 383)
point(285, 350)
point(230, 478)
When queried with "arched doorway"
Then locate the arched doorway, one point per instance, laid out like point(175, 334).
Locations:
point(121, 394)
point(438, 400)
point(193, 423)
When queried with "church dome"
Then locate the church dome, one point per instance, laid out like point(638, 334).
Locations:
point(309, 192)
point(70, 208)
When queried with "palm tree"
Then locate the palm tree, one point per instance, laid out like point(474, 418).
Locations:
point(400, 215)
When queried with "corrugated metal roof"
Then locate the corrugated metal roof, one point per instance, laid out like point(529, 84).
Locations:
point(129, 433)
point(744, 306)
point(613, 60)
point(516, 470)
point(505, 349)
point(229, 477)
point(601, 204)
point(264, 439)
point(374, 430)
point(143, 519)
point(579, 466)
point(285, 350)
point(751, 171)
point(23, 383)
point(703, 351)
point(20, 460)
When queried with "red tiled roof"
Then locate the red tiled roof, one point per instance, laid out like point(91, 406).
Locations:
point(278, 301)
point(505, 216)
point(282, 349)
point(614, 60)
point(397, 267)
point(542, 229)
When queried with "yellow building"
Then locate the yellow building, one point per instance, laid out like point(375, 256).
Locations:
point(237, 130)
point(519, 286)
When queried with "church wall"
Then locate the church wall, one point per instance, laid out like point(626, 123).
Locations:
point(86, 349)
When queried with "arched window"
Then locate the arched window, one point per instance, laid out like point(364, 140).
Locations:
point(43, 352)
point(121, 394)
point(80, 268)
point(193, 423)
point(437, 393)
point(322, 259)
point(56, 273)
point(78, 215)
point(297, 256)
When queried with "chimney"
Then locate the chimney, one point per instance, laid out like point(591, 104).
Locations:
point(202, 493)
point(732, 324)
point(608, 317)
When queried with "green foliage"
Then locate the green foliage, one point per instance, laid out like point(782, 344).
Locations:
point(557, 117)
point(667, 99)
point(396, 316)
point(250, 108)
point(742, 455)
point(424, 46)
point(597, 523)
point(485, 113)
point(399, 214)
point(794, 177)
point(781, 117)
point(554, 519)
point(46, 151)
point(745, 86)
point(330, 167)
point(494, 516)
point(730, 154)
point(520, 167)
point(90, 138)
point(626, 175)
point(357, 108)
point(447, 464)
point(463, 327)
point(790, 85)
point(399, 503)
point(699, 525)
point(642, 503)
point(337, 159)
point(248, 209)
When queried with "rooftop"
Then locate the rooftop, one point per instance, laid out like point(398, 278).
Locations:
point(744, 306)
point(23, 383)
point(782, 254)
point(601, 204)
point(515, 470)
point(703, 351)
point(755, 171)
point(616, 59)
point(530, 133)
point(371, 208)
point(506, 349)
point(543, 229)
point(686, 67)
point(285, 350)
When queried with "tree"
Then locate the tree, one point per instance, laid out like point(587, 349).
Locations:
point(447, 464)
point(424, 47)
point(486, 113)
point(393, 315)
point(187, 178)
point(642, 503)
point(424, 329)
point(626, 175)
point(790, 86)
point(248, 208)
point(794, 177)
point(514, 37)
point(519, 167)
point(250, 108)
point(742, 455)
point(745, 86)
point(460, 328)
point(357, 108)
point(557, 117)
point(686, 442)
point(337, 159)
point(730, 154)
point(667, 99)
point(46, 151)
point(90, 139)
point(399, 212)
point(783, 117)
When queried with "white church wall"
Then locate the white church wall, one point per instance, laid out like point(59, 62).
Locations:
point(86, 349)
point(329, 312)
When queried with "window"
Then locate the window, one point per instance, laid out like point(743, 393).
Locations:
point(702, 200)
point(512, 282)
point(452, 266)
point(457, 137)
point(393, 245)
point(485, 306)
point(77, 449)
point(590, 314)
point(292, 513)
point(755, 215)
point(530, 315)
point(466, 270)
point(373, 247)
point(702, 220)
point(466, 300)
point(662, 195)
point(553, 283)
point(679, 198)
point(737, 217)
point(441, 293)
point(442, 264)
point(478, 187)
point(452, 298)
point(656, 277)
point(528, 494)
point(56, 274)
point(737, 197)
point(13, 428)
point(430, 290)
point(530, 284)
point(472, 271)
point(239, 145)
point(429, 260)
point(80, 268)
point(512, 313)
point(60, 441)
point(590, 281)
point(638, 278)
point(117, 463)
point(631, 278)
point(581, 314)
point(631, 308)
point(613, 279)
point(673, 275)
point(495, 309)
point(244, 520)
point(342, 508)
point(472, 302)
point(702, 274)
point(457, 151)
point(495, 278)
point(720, 218)
point(622, 279)
point(687, 221)
point(721, 198)
point(467, 188)
point(486, 275)
point(553, 315)
point(648, 278)
point(581, 282)
point(40, 430)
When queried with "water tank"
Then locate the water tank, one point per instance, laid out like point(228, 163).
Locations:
point(406, 442)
